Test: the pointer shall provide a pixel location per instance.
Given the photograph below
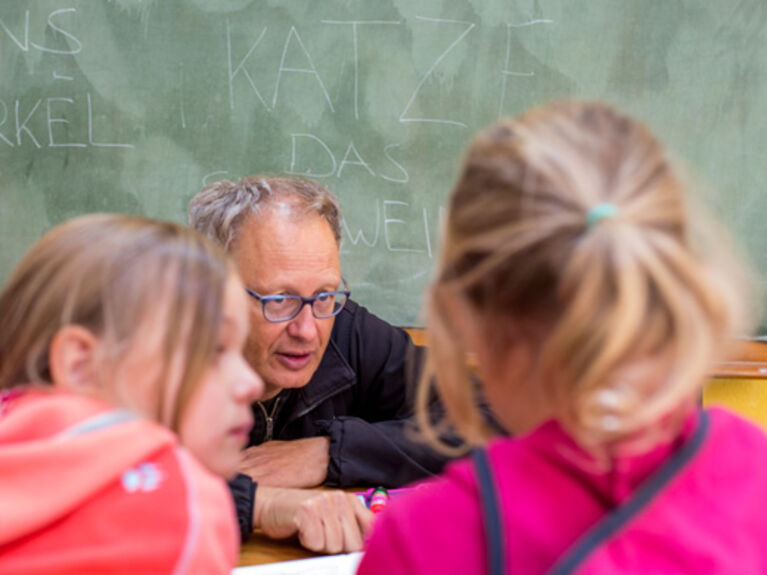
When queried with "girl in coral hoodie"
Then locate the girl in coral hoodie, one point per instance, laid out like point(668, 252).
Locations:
point(121, 338)
point(572, 275)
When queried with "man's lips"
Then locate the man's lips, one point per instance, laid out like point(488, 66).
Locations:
point(294, 360)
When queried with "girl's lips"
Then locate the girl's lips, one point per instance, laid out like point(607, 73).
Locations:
point(242, 432)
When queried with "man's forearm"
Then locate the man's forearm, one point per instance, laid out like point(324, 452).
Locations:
point(385, 453)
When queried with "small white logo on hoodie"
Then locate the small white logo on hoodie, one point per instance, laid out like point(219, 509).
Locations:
point(144, 478)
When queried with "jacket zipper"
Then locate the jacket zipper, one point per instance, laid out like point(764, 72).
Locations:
point(269, 417)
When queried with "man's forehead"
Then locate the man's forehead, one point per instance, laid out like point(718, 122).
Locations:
point(280, 219)
point(280, 253)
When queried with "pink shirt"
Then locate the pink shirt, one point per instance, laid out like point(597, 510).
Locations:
point(711, 517)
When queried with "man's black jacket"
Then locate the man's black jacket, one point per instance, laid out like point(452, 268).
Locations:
point(361, 397)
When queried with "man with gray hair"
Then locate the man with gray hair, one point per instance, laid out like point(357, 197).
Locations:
point(335, 408)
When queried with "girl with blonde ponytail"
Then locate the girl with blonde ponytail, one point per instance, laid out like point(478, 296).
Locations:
point(572, 273)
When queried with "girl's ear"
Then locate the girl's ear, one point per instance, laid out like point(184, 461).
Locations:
point(73, 360)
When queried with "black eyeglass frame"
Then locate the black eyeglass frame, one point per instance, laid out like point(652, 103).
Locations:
point(265, 299)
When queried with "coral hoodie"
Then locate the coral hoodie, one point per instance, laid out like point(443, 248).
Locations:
point(85, 488)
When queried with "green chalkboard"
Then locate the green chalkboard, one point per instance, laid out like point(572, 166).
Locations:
point(130, 105)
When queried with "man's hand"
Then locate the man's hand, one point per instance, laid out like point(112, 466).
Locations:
point(325, 521)
point(297, 463)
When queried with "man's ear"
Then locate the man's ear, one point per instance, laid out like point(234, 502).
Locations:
point(73, 360)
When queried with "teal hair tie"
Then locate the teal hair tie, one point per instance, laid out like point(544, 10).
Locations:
point(600, 212)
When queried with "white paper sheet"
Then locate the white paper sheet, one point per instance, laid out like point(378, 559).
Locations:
point(331, 565)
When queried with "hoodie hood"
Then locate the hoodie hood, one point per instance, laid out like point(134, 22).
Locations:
point(58, 450)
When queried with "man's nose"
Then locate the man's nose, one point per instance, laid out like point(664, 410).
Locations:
point(304, 325)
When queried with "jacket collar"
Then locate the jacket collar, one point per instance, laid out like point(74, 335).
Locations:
point(333, 376)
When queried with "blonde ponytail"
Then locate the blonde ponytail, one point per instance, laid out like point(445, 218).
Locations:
point(522, 244)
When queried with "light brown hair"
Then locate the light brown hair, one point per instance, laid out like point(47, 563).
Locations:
point(518, 251)
point(220, 208)
point(107, 273)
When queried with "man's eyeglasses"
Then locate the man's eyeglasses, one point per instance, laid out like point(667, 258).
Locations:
point(285, 307)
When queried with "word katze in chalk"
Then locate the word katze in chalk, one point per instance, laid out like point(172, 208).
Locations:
point(460, 30)
point(53, 109)
point(329, 166)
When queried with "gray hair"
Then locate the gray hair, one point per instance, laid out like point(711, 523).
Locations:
point(219, 209)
